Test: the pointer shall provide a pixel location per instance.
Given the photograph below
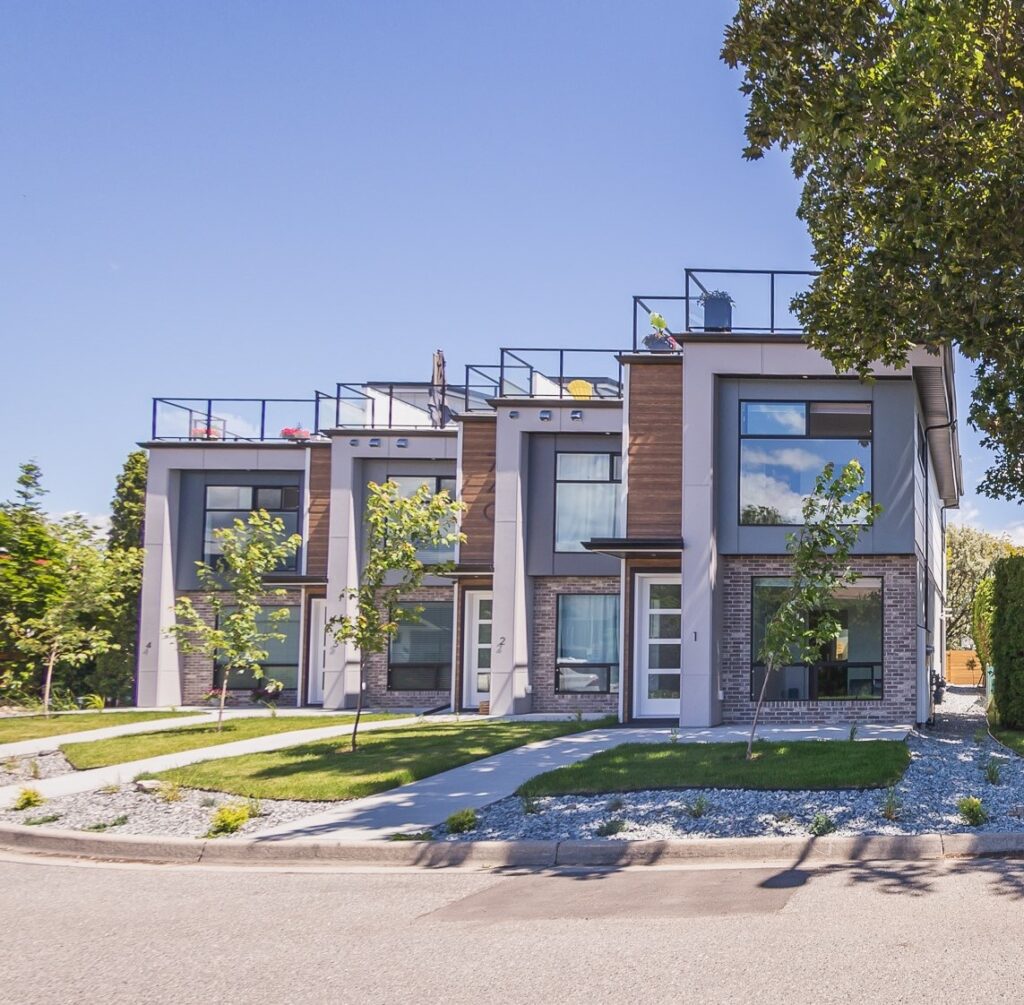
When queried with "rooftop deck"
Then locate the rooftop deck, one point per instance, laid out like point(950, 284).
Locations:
point(755, 301)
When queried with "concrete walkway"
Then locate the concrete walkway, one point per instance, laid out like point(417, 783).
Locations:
point(429, 802)
point(118, 774)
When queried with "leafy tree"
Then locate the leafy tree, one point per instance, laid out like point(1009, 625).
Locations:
point(906, 123)
point(236, 638)
point(807, 616)
point(969, 556)
point(29, 575)
point(71, 628)
point(115, 669)
point(397, 528)
point(981, 621)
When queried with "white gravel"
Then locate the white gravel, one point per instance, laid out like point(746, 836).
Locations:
point(946, 764)
point(149, 813)
point(33, 767)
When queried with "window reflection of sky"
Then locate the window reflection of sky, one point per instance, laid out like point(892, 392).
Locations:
point(776, 476)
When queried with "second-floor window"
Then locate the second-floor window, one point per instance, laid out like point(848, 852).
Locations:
point(785, 445)
point(586, 498)
point(227, 503)
point(409, 485)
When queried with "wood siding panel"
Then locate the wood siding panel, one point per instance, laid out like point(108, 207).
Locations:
point(655, 449)
point(478, 452)
point(318, 521)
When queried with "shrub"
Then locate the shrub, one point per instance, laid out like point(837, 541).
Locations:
point(103, 825)
point(530, 804)
point(413, 836)
point(461, 821)
point(972, 811)
point(228, 819)
point(169, 792)
point(610, 827)
point(94, 701)
point(891, 805)
point(698, 807)
point(34, 770)
point(39, 821)
point(822, 824)
point(614, 805)
point(993, 772)
point(1007, 640)
point(27, 798)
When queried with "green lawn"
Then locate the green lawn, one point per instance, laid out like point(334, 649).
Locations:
point(1012, 738)
point(100, 753)
point(34, 727)
point(327, 770)
point(835, 764)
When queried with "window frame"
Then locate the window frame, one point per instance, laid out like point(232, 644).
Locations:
point(870, 700)
point(611, 480)
point(426, 480)
point(559, 665)
point(296, 619)
point(437, 667)
point(293, 563)
point(807, 402)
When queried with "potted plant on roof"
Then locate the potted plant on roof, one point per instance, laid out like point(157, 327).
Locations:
point(718, 307)
point(295, 432)
point(659, 339)
point(201, 432)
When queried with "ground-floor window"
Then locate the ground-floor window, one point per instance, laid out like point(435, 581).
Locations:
point(587, 660)
point(282, 654)
point(420, 656)
point(850, 667)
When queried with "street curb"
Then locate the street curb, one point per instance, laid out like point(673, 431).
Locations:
point(507, 854)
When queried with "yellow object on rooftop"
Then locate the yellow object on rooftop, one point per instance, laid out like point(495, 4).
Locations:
point(580, 389)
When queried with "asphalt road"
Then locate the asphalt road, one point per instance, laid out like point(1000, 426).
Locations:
point(905, 932)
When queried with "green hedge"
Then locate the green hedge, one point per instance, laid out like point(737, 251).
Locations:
point(1008, 640)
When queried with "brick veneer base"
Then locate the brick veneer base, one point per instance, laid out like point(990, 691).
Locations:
point(197, 671)
point(899, 654)
point(377, 694)
point(546, 590)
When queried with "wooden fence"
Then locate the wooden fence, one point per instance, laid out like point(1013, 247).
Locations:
point(964, 667)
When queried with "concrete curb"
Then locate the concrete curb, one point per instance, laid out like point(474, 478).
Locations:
point(501, 854)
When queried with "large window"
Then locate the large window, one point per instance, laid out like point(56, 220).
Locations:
point(850, 667)
point(586, 498)
point(587, 660)
point(282, 654)
point(784, 445)
point(409, 485)
point(227, 503)
point(420, 657)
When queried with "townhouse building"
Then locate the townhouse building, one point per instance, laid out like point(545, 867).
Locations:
point(626, 514)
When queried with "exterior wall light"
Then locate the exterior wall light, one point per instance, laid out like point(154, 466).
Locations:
point(401, 442)
point(576, 414)
point(545, 415)
point(514, 413)
point(374, 441)
point(353, 442)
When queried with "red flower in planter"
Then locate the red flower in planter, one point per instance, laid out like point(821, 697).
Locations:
point(295, 433)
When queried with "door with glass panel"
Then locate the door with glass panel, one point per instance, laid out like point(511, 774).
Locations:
point(658, 657)
point(477, 662)
point(317, 651)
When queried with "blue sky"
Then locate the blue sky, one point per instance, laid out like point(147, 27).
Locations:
point(248, 199)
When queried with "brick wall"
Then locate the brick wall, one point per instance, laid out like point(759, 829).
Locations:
point(543, 644)
point(899, 652)
point(377, 694)
point(197, 671)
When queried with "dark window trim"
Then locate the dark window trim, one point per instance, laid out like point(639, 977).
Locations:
point(559, 665)
point(741, 436)
point(611, 480)
point(754, 665)
point(292, 565)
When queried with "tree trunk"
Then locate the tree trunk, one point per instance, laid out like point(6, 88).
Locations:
point(757, 711)
point(359, 707)
point(48, 681)
point(223, 699)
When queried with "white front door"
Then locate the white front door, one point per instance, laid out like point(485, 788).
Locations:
point(317, 640)
point(657, 660)
point(476, 663)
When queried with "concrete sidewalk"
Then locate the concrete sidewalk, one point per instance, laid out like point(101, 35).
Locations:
point(426, 803)
point(118, 774)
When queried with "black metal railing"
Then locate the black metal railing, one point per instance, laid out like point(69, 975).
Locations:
point(238, 420)
point(761, 299)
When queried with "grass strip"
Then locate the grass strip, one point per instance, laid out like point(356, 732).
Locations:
point(15, 728)
point(832, 764)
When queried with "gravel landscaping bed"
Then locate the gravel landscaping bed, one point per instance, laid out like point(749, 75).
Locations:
point(149, 813)
point(947, 763)
point(32, 767)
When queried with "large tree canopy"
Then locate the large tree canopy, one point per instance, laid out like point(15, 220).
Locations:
point(905, 120)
